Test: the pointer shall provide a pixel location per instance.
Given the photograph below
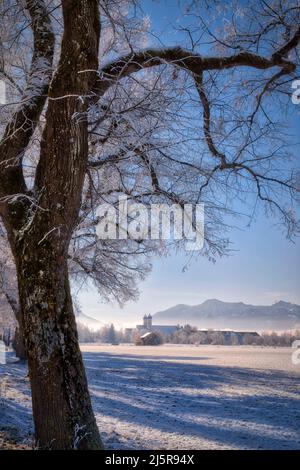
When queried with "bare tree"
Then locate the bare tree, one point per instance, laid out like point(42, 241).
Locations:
point(128, 124)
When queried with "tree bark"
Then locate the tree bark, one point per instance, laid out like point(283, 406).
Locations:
point(62, 410)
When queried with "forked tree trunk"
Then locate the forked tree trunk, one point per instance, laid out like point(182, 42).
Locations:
point(40, 233)
point(62, 410)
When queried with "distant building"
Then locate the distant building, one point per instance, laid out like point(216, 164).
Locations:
point(147, 326)
point(151, 338)
point(227, 336)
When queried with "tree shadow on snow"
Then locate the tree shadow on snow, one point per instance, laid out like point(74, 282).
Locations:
point(228, 406)
point(15, 402)
point(231, 406)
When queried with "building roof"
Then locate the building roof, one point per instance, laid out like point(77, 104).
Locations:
point(147, 334)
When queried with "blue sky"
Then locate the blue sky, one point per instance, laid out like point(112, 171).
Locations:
point(264, 268)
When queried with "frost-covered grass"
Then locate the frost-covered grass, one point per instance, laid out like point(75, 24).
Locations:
point(179, 397)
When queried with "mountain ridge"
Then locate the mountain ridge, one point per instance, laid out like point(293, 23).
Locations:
point(215, 313)
point(88, 321)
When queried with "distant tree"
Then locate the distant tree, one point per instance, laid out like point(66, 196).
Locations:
point(217, 338)
point(135, 336)
point(85, 335)
point(194, 338)
point(111, 337)
point(127, 336)
point(202, 337)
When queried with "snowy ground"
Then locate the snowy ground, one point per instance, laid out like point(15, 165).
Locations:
point(183, 397)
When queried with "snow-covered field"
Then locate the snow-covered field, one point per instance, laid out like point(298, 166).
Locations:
point(178, 397)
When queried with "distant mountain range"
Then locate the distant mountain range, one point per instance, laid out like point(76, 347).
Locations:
point(232, 315)
point(90, 322)
point(7, 318)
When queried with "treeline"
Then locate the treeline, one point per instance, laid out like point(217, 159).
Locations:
point(275, 339)
point(106, 334)
point(188, 335)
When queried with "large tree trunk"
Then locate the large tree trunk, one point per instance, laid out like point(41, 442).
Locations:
point(40, 234)
point(62, 410)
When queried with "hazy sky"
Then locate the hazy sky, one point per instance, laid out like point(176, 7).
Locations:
point(264, 269)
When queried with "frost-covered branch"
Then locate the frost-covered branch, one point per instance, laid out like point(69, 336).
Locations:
point(22, 124)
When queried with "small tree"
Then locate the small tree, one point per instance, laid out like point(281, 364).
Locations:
point(111, 337)
point(217, 338)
